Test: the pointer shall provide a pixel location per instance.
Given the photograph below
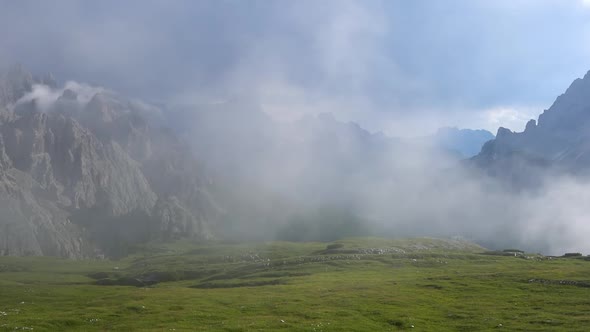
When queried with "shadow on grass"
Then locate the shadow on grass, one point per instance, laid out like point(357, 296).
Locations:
point(258, 283)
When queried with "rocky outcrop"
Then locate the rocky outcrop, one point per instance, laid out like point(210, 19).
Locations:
point(81, 178)
point(174, 221)
point(558, 141)
point(14, 83)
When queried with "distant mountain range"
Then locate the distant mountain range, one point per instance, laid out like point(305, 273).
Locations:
point(467, 142)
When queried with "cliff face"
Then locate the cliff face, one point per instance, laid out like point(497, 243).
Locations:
point(77, 172)
point(559, 141)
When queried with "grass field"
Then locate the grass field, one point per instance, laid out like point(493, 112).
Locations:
point(364, 284)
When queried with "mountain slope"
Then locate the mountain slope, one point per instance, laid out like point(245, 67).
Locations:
point(86, 173)
point(560, 141)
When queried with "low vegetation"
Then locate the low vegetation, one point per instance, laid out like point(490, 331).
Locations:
point(357, 284)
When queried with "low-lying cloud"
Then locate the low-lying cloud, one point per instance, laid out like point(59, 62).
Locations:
point(388, 186)
point(45, 96)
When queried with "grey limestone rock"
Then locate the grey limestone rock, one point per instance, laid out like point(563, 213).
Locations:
point(76, 176)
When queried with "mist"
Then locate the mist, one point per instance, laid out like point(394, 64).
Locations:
point(316, 121)
point(318, 178)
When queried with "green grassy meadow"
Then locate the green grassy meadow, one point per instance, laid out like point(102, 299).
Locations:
point(360, 284)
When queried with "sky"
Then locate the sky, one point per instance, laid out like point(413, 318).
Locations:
point(402, 67)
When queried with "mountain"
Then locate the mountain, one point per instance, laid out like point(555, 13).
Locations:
point(558, 142)
point(86, 172)
point(467, 142)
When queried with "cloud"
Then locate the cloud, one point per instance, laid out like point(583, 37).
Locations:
point(45, 96)
point(392, 60)
point(514, 118)
point(556, 219)
point(84, 92)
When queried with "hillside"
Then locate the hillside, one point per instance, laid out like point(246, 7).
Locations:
point(558, 142)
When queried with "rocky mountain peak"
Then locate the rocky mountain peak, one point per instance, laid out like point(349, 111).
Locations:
point(571, 111)
point(558, 139)
point(503, 133)
point(530, 125)
point(75, 173)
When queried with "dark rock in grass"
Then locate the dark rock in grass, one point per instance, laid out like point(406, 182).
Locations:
point(396, 322)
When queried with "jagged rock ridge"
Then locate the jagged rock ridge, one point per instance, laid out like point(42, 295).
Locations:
point(82, 173)
point(559, 141)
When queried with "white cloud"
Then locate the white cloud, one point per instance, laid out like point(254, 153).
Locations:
point(84, 91)
point(44, 96)
point(511, 117)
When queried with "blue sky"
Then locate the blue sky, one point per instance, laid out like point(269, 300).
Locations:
point(403, 67)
